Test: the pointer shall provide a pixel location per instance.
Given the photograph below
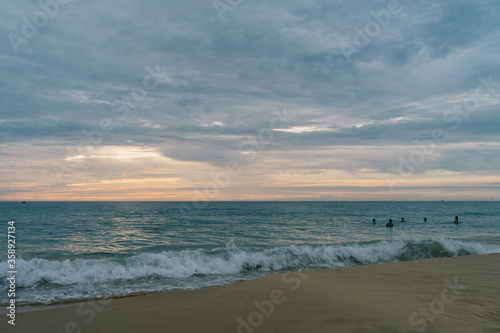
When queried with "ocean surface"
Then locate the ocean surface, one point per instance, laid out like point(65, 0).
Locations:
point(77, 250)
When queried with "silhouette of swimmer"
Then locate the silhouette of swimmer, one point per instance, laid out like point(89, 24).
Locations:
point(389, 224)
point(403, 219)
point(425, 219)
point(456, 220)
point(374, 222)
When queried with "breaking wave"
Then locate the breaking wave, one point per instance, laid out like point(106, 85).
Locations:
point(43, 281)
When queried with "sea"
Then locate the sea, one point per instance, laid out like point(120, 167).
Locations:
point(70, 251)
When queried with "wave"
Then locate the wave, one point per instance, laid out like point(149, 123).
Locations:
point(198, 268)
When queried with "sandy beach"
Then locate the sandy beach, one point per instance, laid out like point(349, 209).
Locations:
point(435, 295)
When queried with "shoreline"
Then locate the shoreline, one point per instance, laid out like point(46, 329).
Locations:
point(403, 248)
point(39, 306)
point(455, 294)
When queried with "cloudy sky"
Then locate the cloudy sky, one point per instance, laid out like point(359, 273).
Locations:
point(250, 100)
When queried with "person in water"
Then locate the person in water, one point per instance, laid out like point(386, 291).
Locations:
point(403, 219)
point(425, 219)
point(374, 222)
point(456, 220)
point(389, 224)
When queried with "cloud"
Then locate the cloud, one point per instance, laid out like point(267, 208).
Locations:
point(220, 82)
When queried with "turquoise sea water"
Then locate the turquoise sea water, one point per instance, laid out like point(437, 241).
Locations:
point(75, 250)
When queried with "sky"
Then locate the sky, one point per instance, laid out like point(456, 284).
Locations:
point(249, 100)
